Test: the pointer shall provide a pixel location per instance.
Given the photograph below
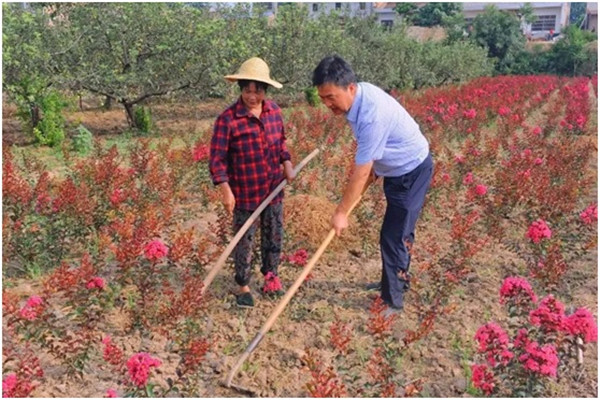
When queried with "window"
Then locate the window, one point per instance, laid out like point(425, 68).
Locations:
point(544, 23)
point(338, 6)
point(387, 23)
point(362, 6)
point(315, 7)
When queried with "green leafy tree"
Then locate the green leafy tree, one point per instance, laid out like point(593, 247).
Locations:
point(572, 55)
point(526, 14)
point(295, 43)
point(131, 52)
point(500, 33)
point(31, 40)
point(432, 14)
point(408, 11)
point(456, 28)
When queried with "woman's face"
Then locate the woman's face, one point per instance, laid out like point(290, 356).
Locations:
point(252, 95)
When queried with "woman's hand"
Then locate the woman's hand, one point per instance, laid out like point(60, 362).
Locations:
point(288, 169)
point(227, 197)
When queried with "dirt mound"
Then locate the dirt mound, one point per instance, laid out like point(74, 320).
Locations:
point(423, 34)
point(307, 220)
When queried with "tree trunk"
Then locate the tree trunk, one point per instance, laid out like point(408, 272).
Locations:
point(130, 115)
point(35, 115)
point(107, 103)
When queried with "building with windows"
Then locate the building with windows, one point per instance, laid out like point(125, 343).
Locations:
point(550, 16)
point(590, 22)
point(355, 9)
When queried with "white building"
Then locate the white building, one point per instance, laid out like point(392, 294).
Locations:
point(550, 16)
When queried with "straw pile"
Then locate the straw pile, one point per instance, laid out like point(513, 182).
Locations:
point(307, 223)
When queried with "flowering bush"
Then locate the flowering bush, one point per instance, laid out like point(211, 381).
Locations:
point(272, 283)
point(543, 345)
point(155, 250)
point(138, 367)
point(589, 215)
point(538, 230)
point(517, 294)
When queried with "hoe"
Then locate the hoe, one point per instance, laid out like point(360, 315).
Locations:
point(282, 303)
point(221, 261)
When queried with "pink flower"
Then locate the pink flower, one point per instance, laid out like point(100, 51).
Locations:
point(537, 130)
point(155, 250)
point(272, 283)
point(516, 290)
point(138, 367)
point(526, 153)
point(445, 177)
point(34, 301)
point(542, 360)
point(581, 121)
point(459, 159)
point(111, 354)
point(538, 161)
point(504, 111)
point(522, 339)
point(582, 323)
point(494, 342)
point(201, 152)
point(470, 113)
point(9, 385)
point(111, 393)
point(524, 174)
point(299, 257)
point(468, 179)
point(538, 230)
point(95, 282)
point(550, 315)
point(118, 196)
point(590, 214)
point(482, 378)
point(32, 308)
point(481, 190)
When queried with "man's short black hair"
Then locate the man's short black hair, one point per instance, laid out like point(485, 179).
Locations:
point(242, 83)
point(333, 69)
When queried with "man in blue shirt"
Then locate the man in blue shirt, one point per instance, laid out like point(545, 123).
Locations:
point(389, 144)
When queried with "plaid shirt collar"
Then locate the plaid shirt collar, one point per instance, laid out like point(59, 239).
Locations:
point(241, 110)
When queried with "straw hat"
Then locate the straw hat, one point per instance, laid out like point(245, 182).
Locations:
point(254, 69)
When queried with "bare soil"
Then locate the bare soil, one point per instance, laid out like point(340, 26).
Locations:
point(337, 290)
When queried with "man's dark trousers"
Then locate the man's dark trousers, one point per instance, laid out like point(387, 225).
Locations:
point(405, 196)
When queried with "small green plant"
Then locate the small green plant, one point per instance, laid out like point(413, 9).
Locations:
point(312, 96)
point(143, 119)
point(82, 142)
point(50, 129)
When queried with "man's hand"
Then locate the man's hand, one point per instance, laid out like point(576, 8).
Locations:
point(288, 169)
point(227, 197)
point(339, 222)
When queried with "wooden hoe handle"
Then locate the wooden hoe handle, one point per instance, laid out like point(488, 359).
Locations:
point(221, 261)
point(284, 301)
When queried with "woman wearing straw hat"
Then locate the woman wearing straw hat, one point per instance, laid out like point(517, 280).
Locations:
point(246, 155)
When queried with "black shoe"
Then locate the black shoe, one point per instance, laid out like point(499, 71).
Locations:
point(374, 286)
point(244, 300)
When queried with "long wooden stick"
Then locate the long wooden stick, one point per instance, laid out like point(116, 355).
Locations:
point(221, 261)
point(284, 301)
